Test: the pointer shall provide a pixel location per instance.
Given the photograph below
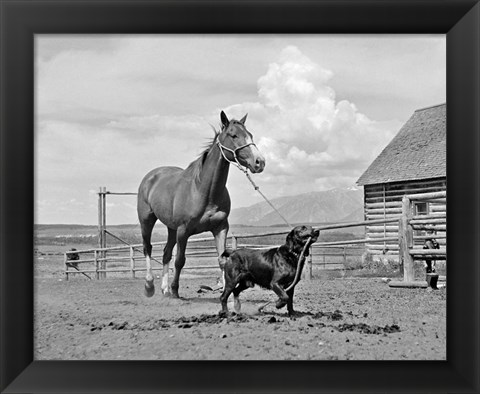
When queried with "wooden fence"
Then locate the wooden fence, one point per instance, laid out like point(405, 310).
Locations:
point(410, 238)
point(125, 259)
point(413, 228)
point(383, 201)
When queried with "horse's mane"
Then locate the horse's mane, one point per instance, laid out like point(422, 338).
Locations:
point(196, 166)
point(209, 145)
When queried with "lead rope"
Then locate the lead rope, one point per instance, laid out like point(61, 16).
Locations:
point(240, 167)
point(263, 195)
point(301, 259)
point(299, 265)
point(300, 262)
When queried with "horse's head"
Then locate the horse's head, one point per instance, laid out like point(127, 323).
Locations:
point(236, 144)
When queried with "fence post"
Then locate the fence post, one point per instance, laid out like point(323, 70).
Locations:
point(95, 257)
point(104, 224)
point(132, 262)
point(234, 242)
point(103, 264)
point(309, 268)
point(101, 233)
point(405, 236)
point(102, 227)
point(66, 266)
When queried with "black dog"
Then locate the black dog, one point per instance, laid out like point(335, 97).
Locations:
point(271, 269)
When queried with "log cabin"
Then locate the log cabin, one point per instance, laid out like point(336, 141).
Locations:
point(413, 162)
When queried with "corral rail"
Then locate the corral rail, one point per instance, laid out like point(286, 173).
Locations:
point(411, 232)
point(124, 259)
point(419, 228)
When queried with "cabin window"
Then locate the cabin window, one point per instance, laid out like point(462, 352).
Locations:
point(421, 208)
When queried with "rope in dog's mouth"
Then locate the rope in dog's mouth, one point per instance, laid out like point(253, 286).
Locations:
point(300, 264)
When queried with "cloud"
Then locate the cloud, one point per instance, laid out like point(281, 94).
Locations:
point(294, 81)
point(130, 75)
point(108, 115)
point(309, 139)
point(73, 159)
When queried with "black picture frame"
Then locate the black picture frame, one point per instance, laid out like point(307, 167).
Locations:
point(21, 20)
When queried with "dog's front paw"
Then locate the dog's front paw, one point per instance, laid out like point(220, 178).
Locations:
point(292, 314)
point(280, 304)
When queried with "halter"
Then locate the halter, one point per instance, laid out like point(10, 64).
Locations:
point(234, 151)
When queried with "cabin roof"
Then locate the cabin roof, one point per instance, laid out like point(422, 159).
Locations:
point(418, 151)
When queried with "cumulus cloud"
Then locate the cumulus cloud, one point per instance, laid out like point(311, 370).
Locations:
point(310, 140)
point(294, 81)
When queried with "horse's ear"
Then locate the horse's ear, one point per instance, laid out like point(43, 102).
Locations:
point(224, 119)
point(242, 121)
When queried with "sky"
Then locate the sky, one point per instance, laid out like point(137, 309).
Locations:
point(109, 108)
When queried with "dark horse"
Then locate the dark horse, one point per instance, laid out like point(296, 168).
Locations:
point(194, 200)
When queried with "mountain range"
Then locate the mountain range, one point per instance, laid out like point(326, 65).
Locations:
point(336, 205)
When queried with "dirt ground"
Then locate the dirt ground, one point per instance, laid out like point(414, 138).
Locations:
point(338, 319)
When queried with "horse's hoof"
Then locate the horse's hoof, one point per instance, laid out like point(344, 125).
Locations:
point(149, 290)
point(174, 291)
point(224, 314)
point(236, 305)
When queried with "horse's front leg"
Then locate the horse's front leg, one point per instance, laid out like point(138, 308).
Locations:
point(167, 256)
point(220, 235)
point(182, 238)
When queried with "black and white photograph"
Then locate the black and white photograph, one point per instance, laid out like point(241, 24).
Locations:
point(240, 197)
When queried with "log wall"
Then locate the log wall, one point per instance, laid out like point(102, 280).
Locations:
point(384, 201)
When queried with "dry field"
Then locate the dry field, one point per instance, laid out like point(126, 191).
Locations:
point(339, 318)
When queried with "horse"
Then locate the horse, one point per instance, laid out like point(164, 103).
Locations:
point(194, 200)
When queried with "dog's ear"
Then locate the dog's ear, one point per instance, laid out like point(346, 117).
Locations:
point(290, 241)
